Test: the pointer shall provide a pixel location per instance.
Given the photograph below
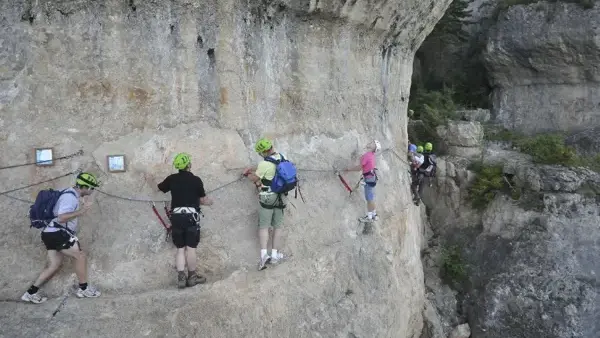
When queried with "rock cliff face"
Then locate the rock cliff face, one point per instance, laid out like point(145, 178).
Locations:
point(148, 79)
point(546, 79)
point(531, 262)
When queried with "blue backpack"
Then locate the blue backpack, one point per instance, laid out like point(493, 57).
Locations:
point(285, 175)
point(41, 211)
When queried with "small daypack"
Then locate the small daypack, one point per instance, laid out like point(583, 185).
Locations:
point(41, 211)
point(285, 175)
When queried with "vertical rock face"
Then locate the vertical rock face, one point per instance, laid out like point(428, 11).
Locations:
point(532, 262)
point(148, 79)
point(543, 61)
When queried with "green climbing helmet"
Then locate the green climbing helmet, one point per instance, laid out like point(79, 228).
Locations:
point(428, 146)
point(262, 145)
point(419, 149)
point(182, 161)
point(86, 180)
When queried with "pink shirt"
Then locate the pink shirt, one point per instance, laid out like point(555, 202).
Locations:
point(367, 161)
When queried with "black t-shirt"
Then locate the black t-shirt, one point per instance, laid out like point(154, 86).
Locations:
point(186, 189)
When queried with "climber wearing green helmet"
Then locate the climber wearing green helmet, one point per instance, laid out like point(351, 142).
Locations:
point(430, 163)
point(60, 239)
point(187, 194)
point(271, 204)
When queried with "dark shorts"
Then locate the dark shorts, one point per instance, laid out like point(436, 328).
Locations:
point(58, 240)
point(185, 231)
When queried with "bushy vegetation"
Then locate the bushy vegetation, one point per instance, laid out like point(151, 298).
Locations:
point(487, 184)
point(549, 148)
point(435, 97)
point(433, 108)
point(453, 269)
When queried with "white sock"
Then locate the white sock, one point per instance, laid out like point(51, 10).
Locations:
point(370, 214)
point(374, 213)
point(274, 253)
point(263, 253)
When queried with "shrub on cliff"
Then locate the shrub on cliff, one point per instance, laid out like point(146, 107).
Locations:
point(433, 108)
point(548, 149)
point(487, 184)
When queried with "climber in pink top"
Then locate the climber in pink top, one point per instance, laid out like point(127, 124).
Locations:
point(369, 167)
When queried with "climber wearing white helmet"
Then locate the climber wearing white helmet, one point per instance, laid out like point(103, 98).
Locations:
point(369, 174)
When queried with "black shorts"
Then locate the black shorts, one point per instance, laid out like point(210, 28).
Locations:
point(58, 240)
point(185, 231)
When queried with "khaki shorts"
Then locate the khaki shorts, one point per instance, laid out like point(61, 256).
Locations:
point(270, 215)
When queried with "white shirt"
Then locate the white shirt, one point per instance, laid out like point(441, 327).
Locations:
point(66, 203)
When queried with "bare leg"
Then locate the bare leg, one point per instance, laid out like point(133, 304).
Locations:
point(276, 238)
point(371, 205)
point(80, 262)
point(190, 257)
point(54, 261)
point(180, 259)
point(263, 236)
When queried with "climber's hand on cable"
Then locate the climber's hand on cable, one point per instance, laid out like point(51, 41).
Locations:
point(247, 171)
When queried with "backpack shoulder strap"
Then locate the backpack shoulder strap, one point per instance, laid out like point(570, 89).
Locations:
point(68, 192)
point(272, 160)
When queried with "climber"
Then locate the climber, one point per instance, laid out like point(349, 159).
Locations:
point(412, 149)
point(368, 167)
point(187, 194)
point(272, 204)
point(429, 164)
point(60, 239)
point(417, 174)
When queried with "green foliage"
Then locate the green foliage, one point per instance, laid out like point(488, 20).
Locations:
point(548, 149)
point(449, 41)
point(450, 26)
point(488, 183)
point(453, 269)
point(433, 108)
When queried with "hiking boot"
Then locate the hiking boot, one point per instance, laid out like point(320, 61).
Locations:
point(181, 279)
point(263, 262)
point(195, 279)
point(89, 292)
point(35, 298)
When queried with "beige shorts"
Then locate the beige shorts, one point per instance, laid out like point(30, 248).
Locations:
point(270, 213)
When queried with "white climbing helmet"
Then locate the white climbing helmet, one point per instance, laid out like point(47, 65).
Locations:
point(377, 145)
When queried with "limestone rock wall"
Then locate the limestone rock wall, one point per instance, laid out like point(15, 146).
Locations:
point(547, 78)
point(149, 79)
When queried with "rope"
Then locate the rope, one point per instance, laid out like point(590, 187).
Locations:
point(80, 152)
point(34, 184)
point(131, 199)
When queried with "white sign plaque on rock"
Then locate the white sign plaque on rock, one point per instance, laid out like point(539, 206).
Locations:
point(116, 163)
point(44, 156)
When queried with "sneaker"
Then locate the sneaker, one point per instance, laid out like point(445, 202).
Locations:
point(366, 219)
point(263, 262)
point(36, 298)
point(89, 292)
point(181, 280)
point(276, 259)
point(195, 279)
